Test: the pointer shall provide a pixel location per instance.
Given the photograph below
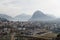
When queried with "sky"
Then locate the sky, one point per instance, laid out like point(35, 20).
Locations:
point(17, 7)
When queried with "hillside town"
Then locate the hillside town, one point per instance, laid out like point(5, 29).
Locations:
point(29, 19)
point(10, 30)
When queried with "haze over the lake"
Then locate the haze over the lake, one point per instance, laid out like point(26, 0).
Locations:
point(16, 7)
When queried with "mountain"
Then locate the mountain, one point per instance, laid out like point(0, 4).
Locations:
point(40, 16)
point(22, 17)
point(57, 20)
point(3, 19)
point(6, 17)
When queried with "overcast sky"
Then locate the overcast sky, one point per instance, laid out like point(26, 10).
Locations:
point(16, 7)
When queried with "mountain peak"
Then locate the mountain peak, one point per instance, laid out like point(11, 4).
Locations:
point(22, 17)
point(39, 12)
point(6, 16)
point(40, 16)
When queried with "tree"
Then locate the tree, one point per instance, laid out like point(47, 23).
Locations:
point(58, 37)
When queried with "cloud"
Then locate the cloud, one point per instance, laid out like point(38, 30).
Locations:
point(15, 7)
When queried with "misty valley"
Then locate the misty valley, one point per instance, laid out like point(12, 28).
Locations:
point(39, 26)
